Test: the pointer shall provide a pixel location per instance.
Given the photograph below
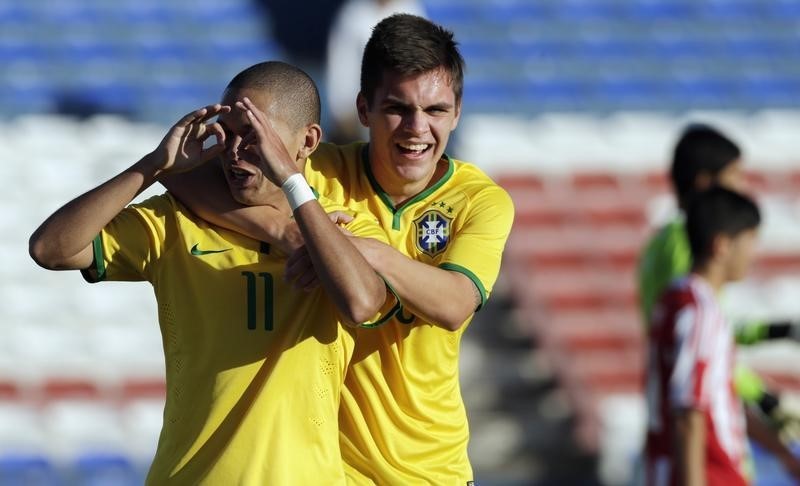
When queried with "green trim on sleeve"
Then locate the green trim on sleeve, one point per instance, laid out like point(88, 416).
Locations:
point(453, 267)
point(98, 264)
point(398, 305)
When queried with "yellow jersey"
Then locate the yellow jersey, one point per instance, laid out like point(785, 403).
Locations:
point(254, 368)
point(402, 419)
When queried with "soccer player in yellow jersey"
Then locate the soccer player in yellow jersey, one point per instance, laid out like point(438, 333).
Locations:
point(402, 417)
point(254, 367)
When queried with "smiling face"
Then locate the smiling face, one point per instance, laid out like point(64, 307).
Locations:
point(409, 119)
point(241, 162)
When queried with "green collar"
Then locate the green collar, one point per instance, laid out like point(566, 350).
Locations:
point(397, 212)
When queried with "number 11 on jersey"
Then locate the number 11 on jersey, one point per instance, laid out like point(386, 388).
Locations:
point(252, 299)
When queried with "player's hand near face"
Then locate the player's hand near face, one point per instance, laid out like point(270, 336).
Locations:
point(182, 147)
point(275, 161)
point(64, 240)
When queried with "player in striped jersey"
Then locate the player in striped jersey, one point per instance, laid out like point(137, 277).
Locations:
point(254, 367)
point(696, 426)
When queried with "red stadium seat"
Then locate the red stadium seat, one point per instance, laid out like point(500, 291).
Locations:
point(521, 182)
point(10, 390)
point(134, 389)
point(57, 388)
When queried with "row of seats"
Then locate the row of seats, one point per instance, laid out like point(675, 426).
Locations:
point(633, 11)
point(147, 60)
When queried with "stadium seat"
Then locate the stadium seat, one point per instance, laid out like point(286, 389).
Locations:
point(105, 469)
point(29, 470)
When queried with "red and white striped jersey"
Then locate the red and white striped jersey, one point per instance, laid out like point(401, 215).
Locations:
point(690, 366)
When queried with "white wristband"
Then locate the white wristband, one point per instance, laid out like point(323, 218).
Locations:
point(297, 191)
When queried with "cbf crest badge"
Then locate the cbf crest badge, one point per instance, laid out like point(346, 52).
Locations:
point(433, 232)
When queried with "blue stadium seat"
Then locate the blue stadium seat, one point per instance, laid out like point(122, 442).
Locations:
point(516, 12)
point(29, 470)
point(450, 13)
point(557, 93)
point(628, 92)
point(491, 94)
point(607, 48)
point(783, 9)
point(702, 92)
point(106, 469)
point(770, 90)
point(728, 10)
point(668, 49)
point(15, 13)
point(657, 11)
point(586, 10)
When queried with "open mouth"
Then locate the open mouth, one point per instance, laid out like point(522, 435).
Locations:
point(240, 176)
point(413, 149)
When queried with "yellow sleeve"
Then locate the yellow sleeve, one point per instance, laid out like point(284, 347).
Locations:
point(127, 247)
point(477, 247)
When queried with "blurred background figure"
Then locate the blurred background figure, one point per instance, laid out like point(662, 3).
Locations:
point(348, 36)
point(574, 106)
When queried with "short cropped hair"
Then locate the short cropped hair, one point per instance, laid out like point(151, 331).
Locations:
point(407, 45)
point(293, 90)
point(715, 212)
point(700, 149)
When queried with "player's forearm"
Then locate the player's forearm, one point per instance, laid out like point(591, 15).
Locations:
point(63, 241)
point(344, 273)
point(204, 191)
point(691, 447)
point(441, 297)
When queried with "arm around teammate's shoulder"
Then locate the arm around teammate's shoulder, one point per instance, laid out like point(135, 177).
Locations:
point(354, 286)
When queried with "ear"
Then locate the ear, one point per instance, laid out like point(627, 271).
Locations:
point(703, 181)
point(720, 246)
point(311, 139)
point(362, 107)
point(458, 116)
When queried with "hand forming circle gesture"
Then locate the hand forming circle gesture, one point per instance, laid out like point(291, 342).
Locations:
point(182, 147)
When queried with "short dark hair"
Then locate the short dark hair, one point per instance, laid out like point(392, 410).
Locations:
point(701, 148)
point(714, 212)
point(408, 45)
point(294, 90)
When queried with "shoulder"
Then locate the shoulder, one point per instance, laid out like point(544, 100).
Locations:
point(330, 160)
point(158, 205)
point(479, 188)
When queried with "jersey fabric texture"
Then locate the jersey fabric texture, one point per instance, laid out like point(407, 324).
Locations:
point(691, 362)
point(254, 368)
point(402, 416)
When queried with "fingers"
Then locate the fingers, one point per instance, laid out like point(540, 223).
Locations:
point(296, 264)
point(202, 114)
point(308, 281)
point(300, 271)
point(340, 217)
point(215, 130)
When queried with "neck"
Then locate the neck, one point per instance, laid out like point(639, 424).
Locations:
point(712, 273)
point(400, 191)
